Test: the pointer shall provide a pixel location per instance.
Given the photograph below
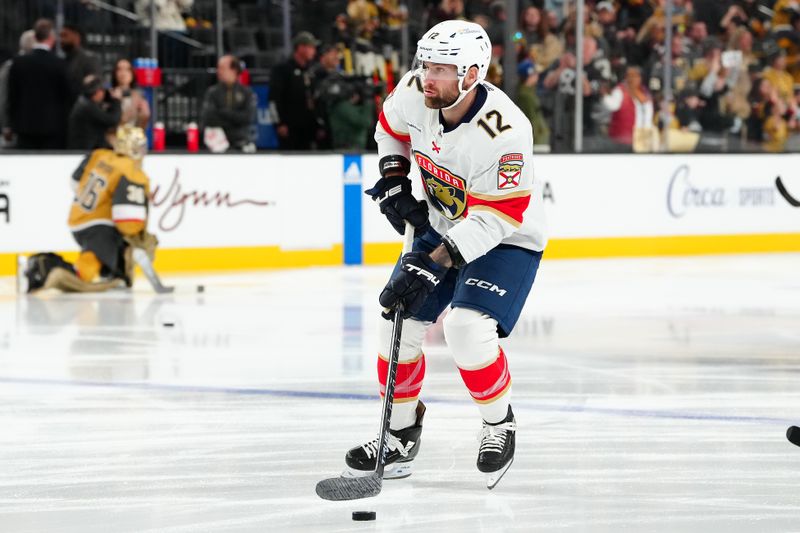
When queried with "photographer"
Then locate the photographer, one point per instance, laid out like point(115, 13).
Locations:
point(97, 111)
point(347, 102)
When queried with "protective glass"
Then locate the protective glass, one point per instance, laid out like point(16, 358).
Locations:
point(425, 70)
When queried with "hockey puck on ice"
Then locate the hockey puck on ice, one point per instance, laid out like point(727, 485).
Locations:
point(363, 516)
point(201, 288)
point(793, 434)
point(168, 324)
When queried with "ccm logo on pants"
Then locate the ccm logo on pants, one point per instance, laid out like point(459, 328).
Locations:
point(491, 287)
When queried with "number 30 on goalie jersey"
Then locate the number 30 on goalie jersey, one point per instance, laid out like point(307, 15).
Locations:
point(110, 190)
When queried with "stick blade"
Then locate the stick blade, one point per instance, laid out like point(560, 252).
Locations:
point(342, 489)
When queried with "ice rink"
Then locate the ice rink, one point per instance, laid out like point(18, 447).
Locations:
point(651, 395)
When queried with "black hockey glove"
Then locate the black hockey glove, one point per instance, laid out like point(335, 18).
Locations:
point(393, 194)
point(416, 278)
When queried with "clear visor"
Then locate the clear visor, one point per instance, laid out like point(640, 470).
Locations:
point(426, 70)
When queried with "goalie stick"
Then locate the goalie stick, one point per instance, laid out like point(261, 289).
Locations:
point(141, 258)
point(341, 488)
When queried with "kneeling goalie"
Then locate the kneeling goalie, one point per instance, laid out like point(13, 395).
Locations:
point(108, 219)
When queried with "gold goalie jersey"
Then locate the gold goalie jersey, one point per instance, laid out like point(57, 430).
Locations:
point(110, 190)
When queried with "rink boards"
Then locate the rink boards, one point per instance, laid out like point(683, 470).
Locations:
point(244, 212)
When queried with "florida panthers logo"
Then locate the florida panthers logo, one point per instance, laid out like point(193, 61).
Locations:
point(446, 192)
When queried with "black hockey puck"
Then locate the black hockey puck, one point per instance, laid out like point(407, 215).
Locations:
point(793, 434)
point(201, 288)
point(169, 324)
point(364, 516)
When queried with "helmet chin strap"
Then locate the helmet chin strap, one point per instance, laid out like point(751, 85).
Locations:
point(462, 93)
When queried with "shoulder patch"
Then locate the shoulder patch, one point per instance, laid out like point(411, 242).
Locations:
point(509, 170)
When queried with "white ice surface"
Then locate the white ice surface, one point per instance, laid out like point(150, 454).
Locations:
point(651, 395)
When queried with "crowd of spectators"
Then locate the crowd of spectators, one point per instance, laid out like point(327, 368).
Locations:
point(735, 82)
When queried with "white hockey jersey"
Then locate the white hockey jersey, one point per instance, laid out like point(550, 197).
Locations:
point(477, 176)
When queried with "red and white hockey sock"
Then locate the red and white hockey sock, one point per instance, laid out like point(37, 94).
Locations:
point(472, 337)
point(490, 387)
point(410, 370)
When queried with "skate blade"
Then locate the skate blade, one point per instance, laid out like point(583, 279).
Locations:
point(493, 478)
point(392, 471)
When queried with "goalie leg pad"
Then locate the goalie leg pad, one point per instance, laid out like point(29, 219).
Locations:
point(88, 266)
point(473, 339)
point(107, 245)
point(67, 281)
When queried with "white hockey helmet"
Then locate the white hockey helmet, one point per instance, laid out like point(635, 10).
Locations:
point(455, 42)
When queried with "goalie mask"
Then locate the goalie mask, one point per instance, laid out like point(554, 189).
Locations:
point(453, 42)
point(130, 141)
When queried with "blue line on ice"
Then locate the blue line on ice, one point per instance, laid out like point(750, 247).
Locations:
point(636, 413)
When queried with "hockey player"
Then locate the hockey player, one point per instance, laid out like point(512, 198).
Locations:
point(479, 237)
point(108, 217)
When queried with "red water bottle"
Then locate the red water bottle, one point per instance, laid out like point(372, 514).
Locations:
point(159, 137)
point(192, 137)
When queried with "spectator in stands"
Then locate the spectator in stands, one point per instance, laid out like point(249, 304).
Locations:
point(528, 102)
point(741, 47)
point(631, 113)
point(714, 80)
point(698, 33)
point(781, 80)
point(80, 62)
point(393, 17)
point(168, 18)
point(135, 109)
point(610, 35)
point(680, 69)
point(498, 17)
point(687, 111)
point(291, 90)
point(787, 12)
point(776, 128)
point(39, 94)
point(168, 13)
point(341, 33)
point(560, 77)
point(96, 112)
point(634, 13)
point(529, 24)
point(445, 10)
point(328, 83)
point(547, 47)
point(361, 13)
point(26, 42)
point(231, 106)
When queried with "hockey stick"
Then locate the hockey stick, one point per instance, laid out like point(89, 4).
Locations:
point(341, 488)
point(141, 258)
point(785, 193)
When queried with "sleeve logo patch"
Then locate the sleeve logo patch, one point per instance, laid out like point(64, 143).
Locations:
point(509, 171)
